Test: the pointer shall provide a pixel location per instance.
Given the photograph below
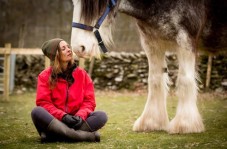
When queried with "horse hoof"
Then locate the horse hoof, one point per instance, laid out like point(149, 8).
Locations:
point(180, 126)
point(146, 125)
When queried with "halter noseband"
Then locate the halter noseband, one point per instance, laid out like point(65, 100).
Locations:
point(111, 4)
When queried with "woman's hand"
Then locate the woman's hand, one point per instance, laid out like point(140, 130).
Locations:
point(71, 121)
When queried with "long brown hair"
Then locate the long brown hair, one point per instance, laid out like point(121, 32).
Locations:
point(57, 68)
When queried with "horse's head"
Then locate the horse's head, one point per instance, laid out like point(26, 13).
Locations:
point(84, 42)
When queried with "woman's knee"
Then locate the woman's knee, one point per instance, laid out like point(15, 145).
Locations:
point(41, 116)
point(97, 120)
point(36, 111)
point(39, 113)
point(101, 116)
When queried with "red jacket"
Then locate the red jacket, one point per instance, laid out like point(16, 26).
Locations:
point(78, 99)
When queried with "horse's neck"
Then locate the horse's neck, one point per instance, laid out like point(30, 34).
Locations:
point(148, 9)
point(126, 7)
point(143, 9)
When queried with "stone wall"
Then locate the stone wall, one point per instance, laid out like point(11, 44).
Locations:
point(130, 71)
point(124, 71)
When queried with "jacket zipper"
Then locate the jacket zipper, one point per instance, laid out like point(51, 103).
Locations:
point(66, 101)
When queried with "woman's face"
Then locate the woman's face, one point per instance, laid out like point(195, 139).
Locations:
point(65, 51)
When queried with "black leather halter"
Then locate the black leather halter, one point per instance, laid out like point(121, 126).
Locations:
point(111, 4)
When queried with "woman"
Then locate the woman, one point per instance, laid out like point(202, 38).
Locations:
point(65, 98)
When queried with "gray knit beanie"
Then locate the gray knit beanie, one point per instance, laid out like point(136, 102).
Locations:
point(49, 48)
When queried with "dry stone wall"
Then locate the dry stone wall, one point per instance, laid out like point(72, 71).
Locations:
point(124, 71)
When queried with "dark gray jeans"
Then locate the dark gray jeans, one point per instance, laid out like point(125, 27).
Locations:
point(42, 118)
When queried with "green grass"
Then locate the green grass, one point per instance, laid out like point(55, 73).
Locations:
point(17, 130)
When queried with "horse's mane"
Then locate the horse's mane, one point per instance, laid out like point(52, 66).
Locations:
point(92, 10)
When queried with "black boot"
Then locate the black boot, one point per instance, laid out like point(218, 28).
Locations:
point(85, 127)
point(59, 128)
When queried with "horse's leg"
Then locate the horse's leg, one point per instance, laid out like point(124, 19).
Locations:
point(154, 116)
point(187, 119)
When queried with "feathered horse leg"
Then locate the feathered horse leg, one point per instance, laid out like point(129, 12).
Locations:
point(187, 119)
point(154, 116)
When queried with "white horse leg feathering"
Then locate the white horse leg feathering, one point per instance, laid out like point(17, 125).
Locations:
point(154, 116)
point(187, 119)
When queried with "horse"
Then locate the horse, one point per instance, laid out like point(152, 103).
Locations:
point(180, 26)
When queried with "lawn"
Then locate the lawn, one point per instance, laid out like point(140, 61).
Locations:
point(17, 130)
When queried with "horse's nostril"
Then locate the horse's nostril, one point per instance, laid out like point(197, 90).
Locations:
point(82, 48)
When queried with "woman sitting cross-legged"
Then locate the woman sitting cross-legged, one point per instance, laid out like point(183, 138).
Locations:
point(65, 99)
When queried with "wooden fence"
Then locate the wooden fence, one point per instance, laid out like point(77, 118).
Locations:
point(6, 52)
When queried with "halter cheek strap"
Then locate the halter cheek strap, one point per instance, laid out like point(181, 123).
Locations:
point(112, 3)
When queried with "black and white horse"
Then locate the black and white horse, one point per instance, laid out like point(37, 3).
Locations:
point(182, 26)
